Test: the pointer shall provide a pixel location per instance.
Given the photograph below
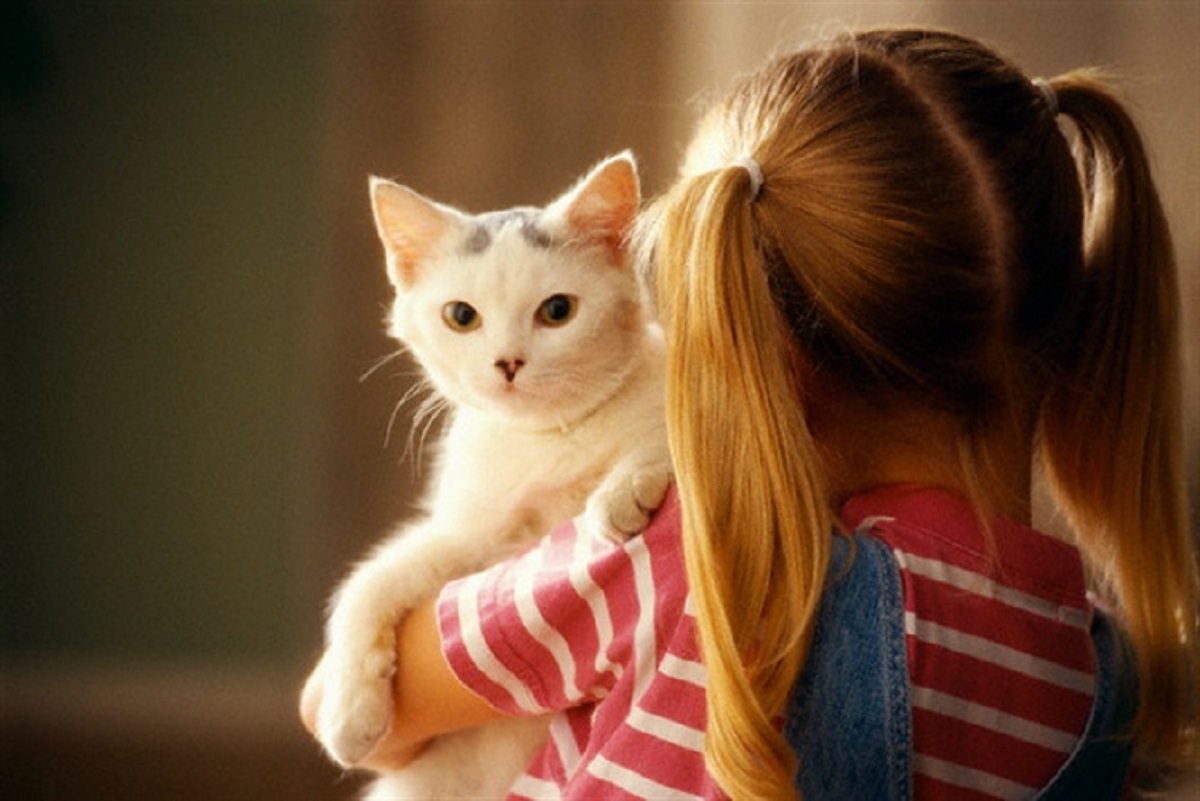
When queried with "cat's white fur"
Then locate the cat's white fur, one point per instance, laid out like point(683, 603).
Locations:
point(576, 430)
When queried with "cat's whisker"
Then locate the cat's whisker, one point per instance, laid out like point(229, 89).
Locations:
point(419, 386)
point(426, 416)
point(381, 362)
point(387, 435)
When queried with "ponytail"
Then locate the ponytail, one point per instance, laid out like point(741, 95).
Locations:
point(1111, 425)
point(756, 516)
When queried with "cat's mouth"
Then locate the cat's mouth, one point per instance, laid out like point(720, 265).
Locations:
point(522, 397)
point(506, 391)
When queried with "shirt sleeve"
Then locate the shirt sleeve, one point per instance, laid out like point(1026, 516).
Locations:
point(553, 628)
point(518, 634)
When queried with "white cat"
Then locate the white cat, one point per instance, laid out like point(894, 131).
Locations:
point(531, 323)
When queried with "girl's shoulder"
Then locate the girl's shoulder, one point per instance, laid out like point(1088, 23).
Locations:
point(932, 531)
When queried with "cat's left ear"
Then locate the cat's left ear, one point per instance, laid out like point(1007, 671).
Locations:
point(410, 226)
point(602, 207)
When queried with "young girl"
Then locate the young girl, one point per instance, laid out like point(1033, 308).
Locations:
point(890, 290)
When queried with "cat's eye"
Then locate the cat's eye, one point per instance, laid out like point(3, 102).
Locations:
point(461, 316)
point(557, 310)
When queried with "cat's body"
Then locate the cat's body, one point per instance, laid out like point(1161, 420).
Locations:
point(531, 324)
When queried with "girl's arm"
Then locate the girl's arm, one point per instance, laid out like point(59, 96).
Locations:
point(428, 699)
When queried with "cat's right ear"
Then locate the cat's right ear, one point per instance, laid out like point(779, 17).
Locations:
point(409, 225)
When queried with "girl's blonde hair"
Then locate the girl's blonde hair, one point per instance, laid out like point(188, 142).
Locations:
point(923, 233)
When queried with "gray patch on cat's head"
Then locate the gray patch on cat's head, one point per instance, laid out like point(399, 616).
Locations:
point(478, 241)
point(489, 224)
point(536, 236)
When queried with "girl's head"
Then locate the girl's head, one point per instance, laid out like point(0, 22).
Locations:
point(919, 223)
point(923, 238)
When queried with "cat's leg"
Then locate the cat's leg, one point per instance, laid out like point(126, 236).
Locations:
point(622, 504)
point(359, 663)
point(410, 568)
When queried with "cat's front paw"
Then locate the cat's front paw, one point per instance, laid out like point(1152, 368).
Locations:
point(356, 703)
point(623, 503)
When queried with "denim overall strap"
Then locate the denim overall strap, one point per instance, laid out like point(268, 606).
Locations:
point(849, 719)
point(1098, 768)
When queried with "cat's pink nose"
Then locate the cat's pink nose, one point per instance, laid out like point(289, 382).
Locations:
point(509, 368)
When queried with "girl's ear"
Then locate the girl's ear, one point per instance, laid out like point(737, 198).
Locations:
point(410, 227)
point(601, 208)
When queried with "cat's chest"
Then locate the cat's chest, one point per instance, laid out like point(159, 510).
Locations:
point(515, 455)
point(498, 473)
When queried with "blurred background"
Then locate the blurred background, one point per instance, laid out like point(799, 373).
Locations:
point(191, 291)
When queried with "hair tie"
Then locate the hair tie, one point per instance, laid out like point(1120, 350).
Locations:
point(1048, 95)
point(751, 166)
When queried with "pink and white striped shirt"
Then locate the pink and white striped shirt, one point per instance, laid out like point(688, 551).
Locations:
point(1000, 656)
point(1000, 659)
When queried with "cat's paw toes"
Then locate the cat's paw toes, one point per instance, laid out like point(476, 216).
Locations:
point(622, 506)
point(650, 487)
point(352, 731)
point(356, 708)
point(597, 524)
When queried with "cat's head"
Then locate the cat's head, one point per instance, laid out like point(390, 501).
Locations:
point(531, 314)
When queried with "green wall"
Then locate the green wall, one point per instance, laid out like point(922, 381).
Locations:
point(161, 258)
